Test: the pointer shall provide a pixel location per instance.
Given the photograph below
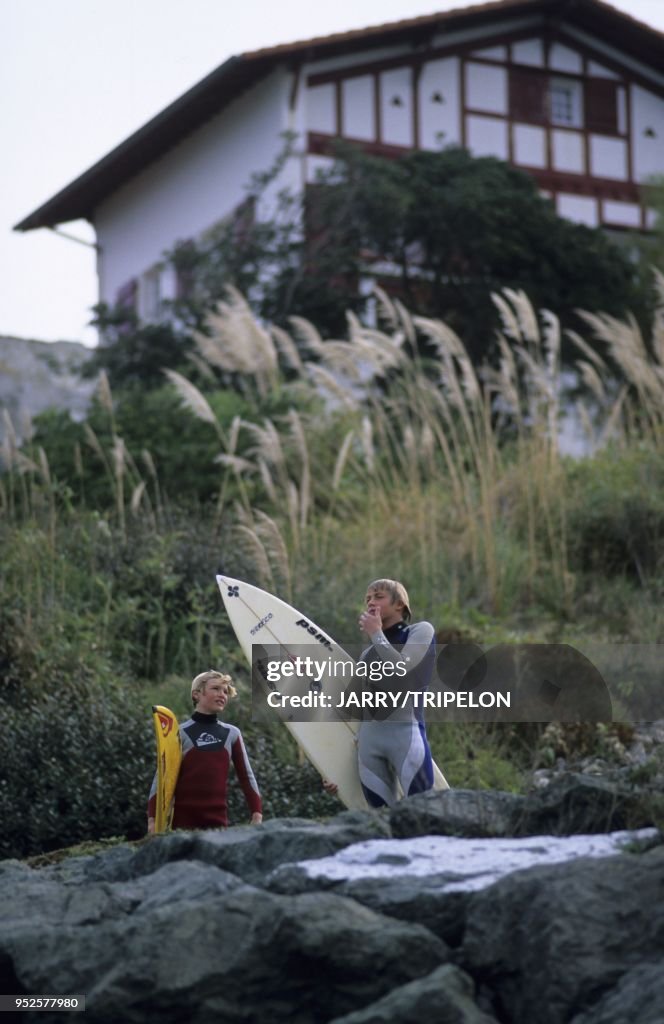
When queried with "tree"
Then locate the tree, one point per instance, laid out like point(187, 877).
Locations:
point(440, 230)
point(455, 227)
point(134, 354)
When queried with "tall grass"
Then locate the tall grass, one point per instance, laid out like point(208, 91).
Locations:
point(470, 453)
point(394, 463)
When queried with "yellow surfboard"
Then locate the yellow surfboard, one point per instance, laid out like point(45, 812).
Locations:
point(169, 756)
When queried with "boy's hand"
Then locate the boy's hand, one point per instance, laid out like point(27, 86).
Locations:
point(330, 787)
point(150, 826)
point(256, 818)
point(370, 622)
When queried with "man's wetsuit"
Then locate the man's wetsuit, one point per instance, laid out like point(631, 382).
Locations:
point(396, 747)
point(208, 747)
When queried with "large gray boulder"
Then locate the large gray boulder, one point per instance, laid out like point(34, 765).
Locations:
point(249, 853)
point(638, 997)
point(572, 804)
point(191, 942)
point(445, 996)
point(457, 812)
point(300, 921)
point(550, 942)
point(575, 804)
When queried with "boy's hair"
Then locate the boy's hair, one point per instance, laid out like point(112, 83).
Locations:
point(203, 678)
point(397, 592)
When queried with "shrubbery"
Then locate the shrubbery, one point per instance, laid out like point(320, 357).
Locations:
point(616, 513)
point(74, 766)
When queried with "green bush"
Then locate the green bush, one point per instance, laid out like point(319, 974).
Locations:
point(616, 513)
point(74, 767)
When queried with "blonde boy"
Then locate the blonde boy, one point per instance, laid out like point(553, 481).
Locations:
point(208, 747)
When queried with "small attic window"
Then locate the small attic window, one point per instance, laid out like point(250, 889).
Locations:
point(565, 106)
point(437, 97)
point(396, 101)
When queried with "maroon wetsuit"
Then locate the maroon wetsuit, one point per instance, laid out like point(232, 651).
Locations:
point(208, 747)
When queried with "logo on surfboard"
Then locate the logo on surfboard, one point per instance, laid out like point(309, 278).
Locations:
point(165, 722)
point(315, 633)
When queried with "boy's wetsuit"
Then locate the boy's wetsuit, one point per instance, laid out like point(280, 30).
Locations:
point(396, 747)
point(208, 747)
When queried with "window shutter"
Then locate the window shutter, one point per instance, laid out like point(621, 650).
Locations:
point(243, 220)
point(183, 262)
point(127, 295)
point(527, 95)
point(602, 106)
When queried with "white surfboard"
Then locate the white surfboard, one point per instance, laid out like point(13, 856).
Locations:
point(261, 618)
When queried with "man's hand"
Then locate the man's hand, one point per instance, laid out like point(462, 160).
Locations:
point(330, 787)
point(370, 621)
point(256, 818)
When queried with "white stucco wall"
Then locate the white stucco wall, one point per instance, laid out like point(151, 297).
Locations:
point(397, 118)
point(486, 88)
point(321, 108)
point(620, 213)
point(529, 51)
point(358, 119)
point(608, 157)
point(581, 209)
point(194, 186)
point(562, 58)
point(487, 136)
point(647, 117)
point(529, 144)
point(439, 121)
point(567, 151)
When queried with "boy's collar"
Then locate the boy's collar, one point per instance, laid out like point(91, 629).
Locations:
point(395, 625)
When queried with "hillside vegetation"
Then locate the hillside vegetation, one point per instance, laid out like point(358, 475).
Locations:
point(309, 468)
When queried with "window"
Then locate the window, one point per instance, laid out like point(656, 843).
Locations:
point(538, 98)
point(126, 295)
point(150, 294)
point(565, 106)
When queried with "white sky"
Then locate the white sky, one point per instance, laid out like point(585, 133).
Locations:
point(78, 76)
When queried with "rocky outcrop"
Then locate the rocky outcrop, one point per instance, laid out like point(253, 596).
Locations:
point(347, 921)
point(570, 804)
point(38, 375)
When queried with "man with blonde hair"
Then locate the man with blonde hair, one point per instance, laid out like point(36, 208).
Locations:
point(394, 747)
point(208, 747)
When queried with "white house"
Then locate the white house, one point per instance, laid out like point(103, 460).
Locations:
point(570, 90)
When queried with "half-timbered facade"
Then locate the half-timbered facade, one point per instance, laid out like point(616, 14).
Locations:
point(573, 93)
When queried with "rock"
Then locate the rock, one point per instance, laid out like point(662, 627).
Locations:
point(576, 804)
point(549, 941)
point(457, 812)
point(37, 375)
point(305, 922)
point(250, 853)
point(638, 997)
point(445, 996)
point(430, 878)
point(408, 898)
point(570, 804)
point(190, 942)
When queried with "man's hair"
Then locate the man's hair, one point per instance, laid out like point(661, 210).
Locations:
point(203, 678)
point(397, 592)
